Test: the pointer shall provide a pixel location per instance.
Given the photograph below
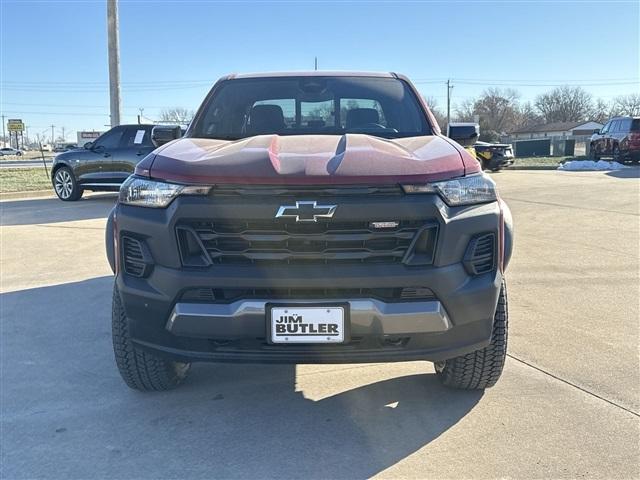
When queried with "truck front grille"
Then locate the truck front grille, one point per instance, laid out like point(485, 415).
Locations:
point(323, 242)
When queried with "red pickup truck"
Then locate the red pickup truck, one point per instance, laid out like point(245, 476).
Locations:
point(309, 218)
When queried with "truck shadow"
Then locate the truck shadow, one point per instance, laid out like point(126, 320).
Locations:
point(67, 412)
point(629, 172)
point(51, 210)
point(355, 433)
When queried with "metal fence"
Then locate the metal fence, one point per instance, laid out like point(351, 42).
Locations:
point(574, 145)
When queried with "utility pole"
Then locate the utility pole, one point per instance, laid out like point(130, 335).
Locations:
point(64, 137)
point(4, 138)
point(52, 135)
point(316, 63)
point(114, 61)
point(449, 88)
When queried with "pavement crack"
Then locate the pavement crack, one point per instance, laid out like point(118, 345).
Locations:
point(567, 382)
point(68, 227)
point(552, 204)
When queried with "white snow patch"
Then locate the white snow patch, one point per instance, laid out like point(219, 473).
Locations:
point(580, 165)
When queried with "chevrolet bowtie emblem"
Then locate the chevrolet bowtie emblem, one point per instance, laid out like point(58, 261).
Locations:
point(306, 211)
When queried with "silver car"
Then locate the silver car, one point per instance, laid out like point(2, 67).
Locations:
point(10, 151)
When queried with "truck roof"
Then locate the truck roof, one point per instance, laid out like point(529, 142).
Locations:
point(312, 73)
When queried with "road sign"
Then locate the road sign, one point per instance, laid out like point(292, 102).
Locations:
point(15, 125)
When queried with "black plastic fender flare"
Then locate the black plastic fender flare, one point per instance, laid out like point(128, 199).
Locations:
point(507, 220)
point(109, 242)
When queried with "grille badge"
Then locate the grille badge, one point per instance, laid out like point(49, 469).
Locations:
point(377, 225)
point(306, 211)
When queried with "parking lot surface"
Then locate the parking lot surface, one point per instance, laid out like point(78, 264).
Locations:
point(567, 405)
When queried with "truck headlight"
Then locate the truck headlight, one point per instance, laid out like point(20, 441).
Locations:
point(144, 192)
point(460, 191)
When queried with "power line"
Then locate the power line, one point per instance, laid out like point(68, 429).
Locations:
point(422, 82)
point(51, 105)
point(75, 105)
point(416, 79)
point(508, 84)
point(536, 83)
point(102, 83)
point(48, 87)
point(209, 81)
point(77, 89)
point(622, 79)
point(56, 113)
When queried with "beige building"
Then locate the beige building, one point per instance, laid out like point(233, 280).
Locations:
point(556, 130)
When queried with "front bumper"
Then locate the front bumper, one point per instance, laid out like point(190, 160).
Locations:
point(634, 155)
point(500, 161)
point(456, 319)
point(367, 316)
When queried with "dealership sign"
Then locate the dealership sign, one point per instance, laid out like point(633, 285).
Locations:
point(84, 137)
point(15, 125)
point(89, 135)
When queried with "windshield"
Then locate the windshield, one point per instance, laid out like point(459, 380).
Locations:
point(384, 107)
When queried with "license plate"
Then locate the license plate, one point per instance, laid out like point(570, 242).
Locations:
point(303, 324)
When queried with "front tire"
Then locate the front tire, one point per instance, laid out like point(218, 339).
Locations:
point(480, 369)
point(617, 157)
point(141, 370)
point(66, 186)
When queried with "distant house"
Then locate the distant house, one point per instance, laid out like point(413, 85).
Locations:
point(556, 130)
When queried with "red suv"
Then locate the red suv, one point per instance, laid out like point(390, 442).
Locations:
point(619, 138)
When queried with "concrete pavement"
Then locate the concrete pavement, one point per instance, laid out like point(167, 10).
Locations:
point(575, 277)
point(567, 405)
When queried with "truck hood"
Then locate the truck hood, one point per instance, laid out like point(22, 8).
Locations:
point(305, 159)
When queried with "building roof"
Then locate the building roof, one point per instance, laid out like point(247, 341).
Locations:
point(554, 127)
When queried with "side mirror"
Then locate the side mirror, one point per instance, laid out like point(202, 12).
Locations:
point(466, 134)
point(162, 134)
point(88, 145)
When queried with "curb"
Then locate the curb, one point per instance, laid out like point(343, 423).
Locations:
point(30, 161)
point(534, 167)
point(28, 194)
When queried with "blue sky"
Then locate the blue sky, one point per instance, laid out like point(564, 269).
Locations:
point(54, 53)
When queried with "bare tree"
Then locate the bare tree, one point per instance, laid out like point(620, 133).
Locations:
point(627, 105)
point(565, 104)
point(526, 116)
point(496, 109)
point(602, 111)
point(441, 118)
point(179, 115)
point(465, 111)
